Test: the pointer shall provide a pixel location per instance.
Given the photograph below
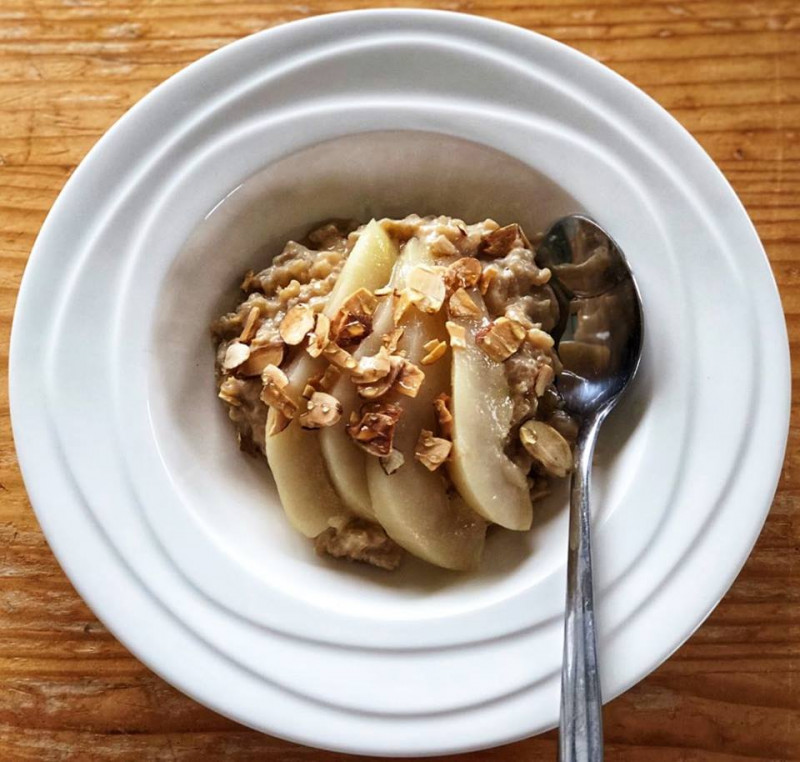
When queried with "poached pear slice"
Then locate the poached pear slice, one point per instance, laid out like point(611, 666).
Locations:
point(413, 504)
point(346, 462)
point(295, 457)
point(490, 483)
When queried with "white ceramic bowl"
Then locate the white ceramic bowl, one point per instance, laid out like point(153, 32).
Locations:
point(178, 542)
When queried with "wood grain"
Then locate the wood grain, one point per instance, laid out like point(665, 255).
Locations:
point(728, 70)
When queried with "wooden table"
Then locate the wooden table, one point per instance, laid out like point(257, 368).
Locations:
point(729, 71)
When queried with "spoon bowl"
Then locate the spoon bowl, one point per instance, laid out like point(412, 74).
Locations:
point(600, 332)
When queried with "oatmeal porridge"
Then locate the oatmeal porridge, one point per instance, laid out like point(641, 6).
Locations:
point(399, 379)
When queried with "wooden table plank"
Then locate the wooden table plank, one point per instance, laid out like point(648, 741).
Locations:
point(728, 70)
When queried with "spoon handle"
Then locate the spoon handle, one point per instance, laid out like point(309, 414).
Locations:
point(581, 727)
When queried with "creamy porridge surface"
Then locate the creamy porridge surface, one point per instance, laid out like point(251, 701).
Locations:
point(407, 354)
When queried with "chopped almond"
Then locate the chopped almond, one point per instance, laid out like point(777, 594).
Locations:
point(547, 447)
point(309, 390)
point(339, 357)
point(392, 339)
point(544, 378)
point(360, 302)
point(458, 335)
point(410, 379)
point(432, 451)
point(372, 368)
point(426, 288)
point(377, 389)
point(373, 430)
point(235, 355)
point(501, 338)
point(329, 378)
point(322, 382)
point(297, 322)
point(348, 329)
point(487, 276)
point(353, 322)
point(539, 339)
point(319, 338)
point(273, 394)
point(229, 391)
point(249, 324)
point(435, 353)
point(274, 376)
point(443, 415)
point(392, 462)
point(260, 357)
point(461, 304)
point(463, 273)
point(500, 242)
point(322, 410)
point(401, 305)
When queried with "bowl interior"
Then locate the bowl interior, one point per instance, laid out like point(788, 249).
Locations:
point(376, 174)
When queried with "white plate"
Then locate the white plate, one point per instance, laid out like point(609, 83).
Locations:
point(178, 542)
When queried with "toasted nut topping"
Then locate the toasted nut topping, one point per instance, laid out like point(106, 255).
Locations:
point(384, 291)
point(500, 242)
point(329, 378)
point(323, 410)
point(348, 329)
point(273, 394)
point(409, 379)
point(463, 273)
point(392, 339)
point(324, 381)
point(547, 447)
point(353, 321)
point(249, 324)
point(443, 415)
point(441, 246)
point(392, 462)
point(235, 355)
point(458, 335)
point(461, 304)
point(278, 424)
point(339, 357)
point(229, 392)
point(379, 388)
point(539, 339)
point(372, 368)
point(360, 302)
point(487, 276)
point(297, 322)
point(501, 338)
point(432, 451)
point(544, 378)
point(435, 353)
point(274, 376)
point(374, 429)
point(319, 338)
point(308, 391)
point(401, 305)
point(426, 288)
point(260, 357)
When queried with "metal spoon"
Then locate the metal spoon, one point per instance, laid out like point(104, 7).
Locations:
point(600, 342)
